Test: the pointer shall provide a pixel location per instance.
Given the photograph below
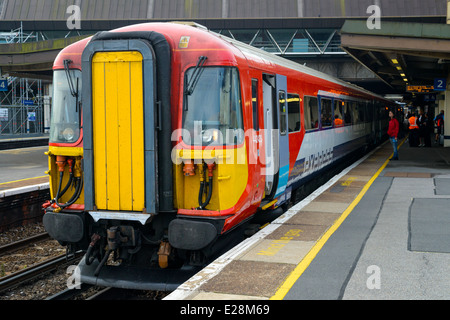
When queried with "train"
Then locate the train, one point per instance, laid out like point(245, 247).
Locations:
point(167, 137)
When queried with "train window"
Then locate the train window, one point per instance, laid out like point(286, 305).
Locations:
point(212, 109)
point(353, 109)
point(255, 104)
point(325, 106)
point(347, 113)
point(369, 111)
point(282, 103)
point(362, 112)
point(294, 112)
point(311, 106)
point(338, 113)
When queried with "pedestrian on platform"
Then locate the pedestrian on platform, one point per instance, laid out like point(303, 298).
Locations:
point(439, 121)
point(413, 131)
point(422, 123)
point(394, 128)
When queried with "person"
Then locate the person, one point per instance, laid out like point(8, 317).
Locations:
point(394, 128)
point(439, 121)
point(422, 123)
point(413, 131)
point(337, 121)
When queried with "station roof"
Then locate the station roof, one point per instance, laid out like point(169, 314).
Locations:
point(400, 53)
point(106, 14)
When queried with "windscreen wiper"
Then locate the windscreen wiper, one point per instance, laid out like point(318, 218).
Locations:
point(190, 87)
point(73, 91)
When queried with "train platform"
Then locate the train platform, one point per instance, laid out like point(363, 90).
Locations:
point(8, 141)
point(23, 169)
point(378, 230)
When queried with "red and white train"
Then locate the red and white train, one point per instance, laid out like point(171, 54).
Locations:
point(166, 137)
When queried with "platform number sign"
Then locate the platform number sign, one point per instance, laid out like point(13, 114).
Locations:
point(3, 85)
point(440, 84)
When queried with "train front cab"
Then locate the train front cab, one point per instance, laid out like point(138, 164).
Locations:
point(126, 177)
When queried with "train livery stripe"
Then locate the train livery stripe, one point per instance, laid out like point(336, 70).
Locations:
point(118, 120)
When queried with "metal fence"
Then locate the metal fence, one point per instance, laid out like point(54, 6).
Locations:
point(21, 107)
point(21, 119)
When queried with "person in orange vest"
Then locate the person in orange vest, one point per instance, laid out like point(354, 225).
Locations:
point(337, 121)
point(413, 131)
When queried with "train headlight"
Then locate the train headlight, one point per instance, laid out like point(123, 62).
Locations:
point(69, 134)
point(210, 136)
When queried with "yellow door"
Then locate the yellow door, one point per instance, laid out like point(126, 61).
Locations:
point(118, 131)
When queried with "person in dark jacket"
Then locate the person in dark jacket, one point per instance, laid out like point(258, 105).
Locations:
point(393, 130)
point(439, 120)
point(422, 123)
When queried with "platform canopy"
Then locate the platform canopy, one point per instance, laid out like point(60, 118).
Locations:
point(400, 53)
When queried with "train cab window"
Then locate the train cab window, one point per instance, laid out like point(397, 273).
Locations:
point(255, 104)
point(282, 104)
point(338, 113)
point(66, 118)
point(294, 112)
point(311, 106)
point(212, 108)
point(326, 114)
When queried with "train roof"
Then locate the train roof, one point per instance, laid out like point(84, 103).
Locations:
point(247, 49)
point(177, 29)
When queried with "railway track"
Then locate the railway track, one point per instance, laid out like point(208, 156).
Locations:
point(35, 271)
point(89, 292)
point(30, 271)
point(17, 245)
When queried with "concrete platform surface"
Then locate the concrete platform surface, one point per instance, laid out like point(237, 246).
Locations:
point(379, 230)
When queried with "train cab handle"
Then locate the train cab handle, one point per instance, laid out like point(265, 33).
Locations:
point(158, 105)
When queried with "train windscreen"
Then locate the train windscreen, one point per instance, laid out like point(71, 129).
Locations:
point(65, 119)
point(212, 107)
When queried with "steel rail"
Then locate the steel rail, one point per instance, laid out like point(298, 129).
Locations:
point(24, 243)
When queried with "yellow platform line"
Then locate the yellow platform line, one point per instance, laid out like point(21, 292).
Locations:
point(4, 183)
point(304, 264)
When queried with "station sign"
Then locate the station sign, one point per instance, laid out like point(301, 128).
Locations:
point(27, 102)
point(3, 114)
point(32, 116)
point(3, 85)
point(440, 84)
point(420, 89)
point(429, 97)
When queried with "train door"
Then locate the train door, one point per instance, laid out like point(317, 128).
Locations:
point(276, 135)
point(283, 137)
point(270, 135)
point(118, 131)
point(119, 128)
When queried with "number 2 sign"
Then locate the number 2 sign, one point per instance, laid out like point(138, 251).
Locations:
point(440, 84)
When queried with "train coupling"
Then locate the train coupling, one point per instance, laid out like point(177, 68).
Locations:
point(122, 241)
point(122, 237)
